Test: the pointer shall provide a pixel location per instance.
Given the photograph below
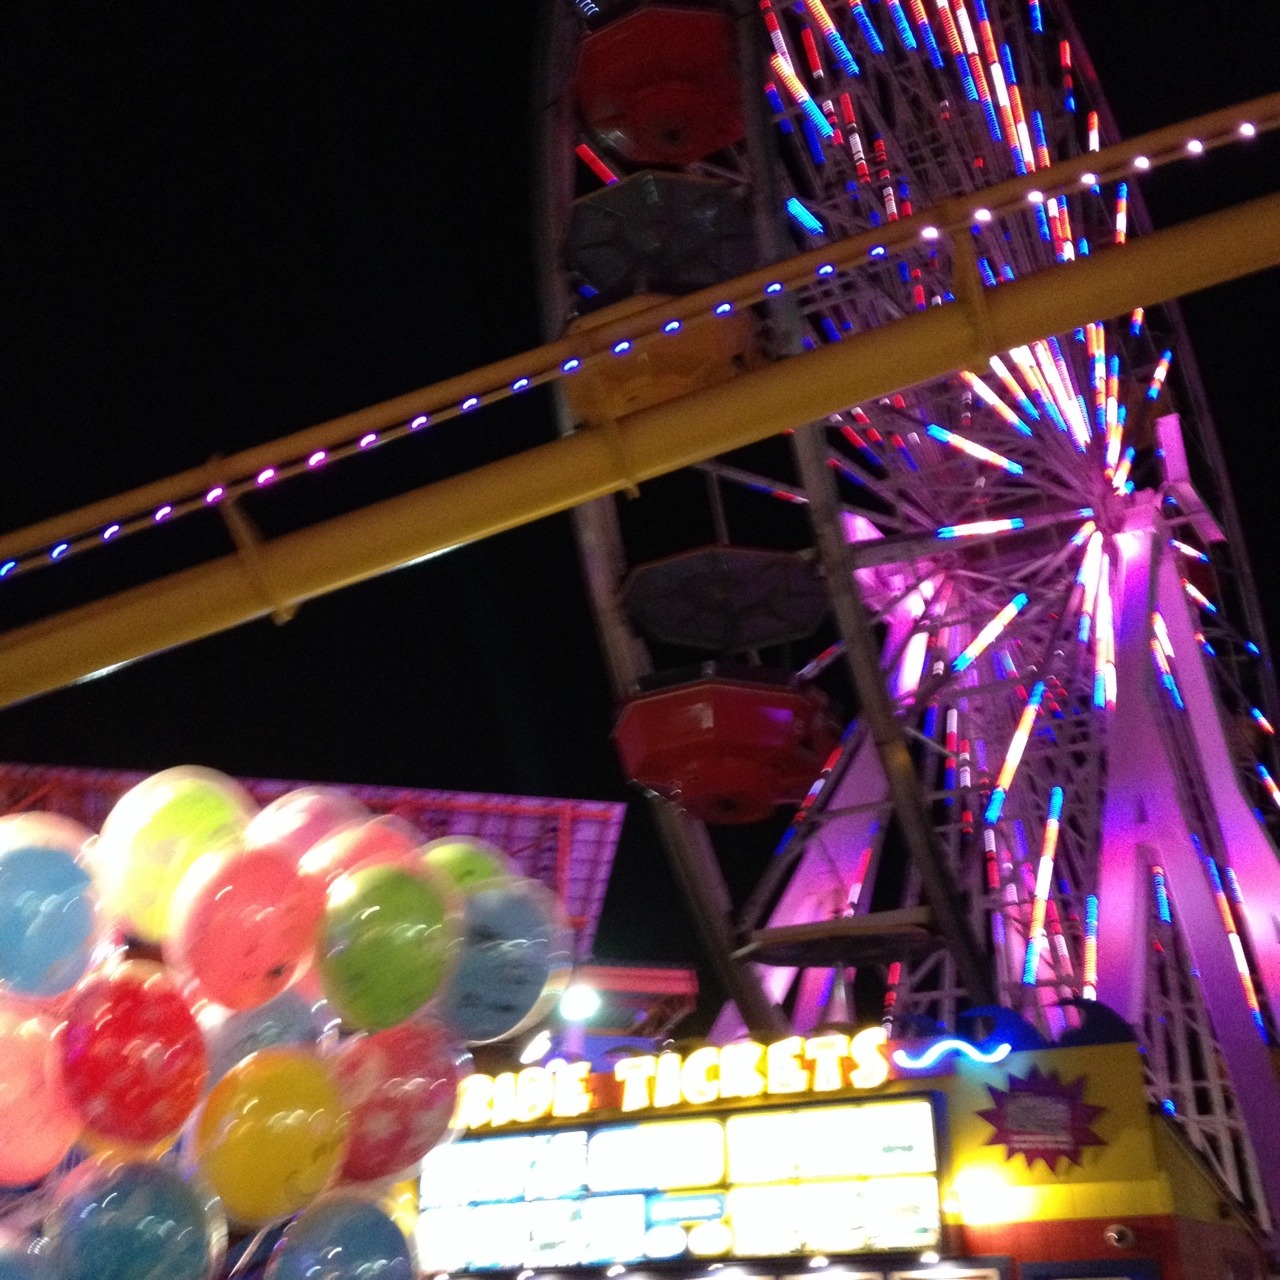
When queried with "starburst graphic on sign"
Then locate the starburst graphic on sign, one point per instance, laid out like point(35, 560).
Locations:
point(1041, 1118)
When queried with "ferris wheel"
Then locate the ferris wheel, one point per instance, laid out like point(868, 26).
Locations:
point(1060, 786)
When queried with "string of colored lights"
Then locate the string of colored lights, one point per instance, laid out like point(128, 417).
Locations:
point(1044, 884)
point(971, 447)
point(1215, 131)
point(987, 636)
point(1013, 758)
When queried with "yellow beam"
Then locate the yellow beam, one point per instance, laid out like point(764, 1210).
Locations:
point(441, 401)
point(554, 477)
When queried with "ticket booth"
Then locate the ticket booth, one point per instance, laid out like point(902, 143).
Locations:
point(840, 1155)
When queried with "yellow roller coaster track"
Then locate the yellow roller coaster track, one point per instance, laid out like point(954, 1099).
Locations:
point(272, 577)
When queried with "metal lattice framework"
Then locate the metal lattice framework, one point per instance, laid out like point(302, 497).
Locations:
point(1036, 580)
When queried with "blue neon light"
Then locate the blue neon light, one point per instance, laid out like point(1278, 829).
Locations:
point(941, 1049)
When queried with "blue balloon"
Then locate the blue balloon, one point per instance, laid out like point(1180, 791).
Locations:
point(341, 1237)
point(48, 920)
point(24, 1266)
point(136, 1222)
point(513, 950)
point(288, 1019)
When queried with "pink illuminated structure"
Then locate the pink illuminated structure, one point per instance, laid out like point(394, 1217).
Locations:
point(1061, 785)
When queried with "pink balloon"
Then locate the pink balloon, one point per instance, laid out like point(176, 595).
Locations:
point(244, 925)
point(383, 839)
point(38, 1122)
point(400, 1086)
point(303, 818)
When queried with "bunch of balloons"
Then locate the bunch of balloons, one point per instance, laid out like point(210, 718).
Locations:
point(215, 1017)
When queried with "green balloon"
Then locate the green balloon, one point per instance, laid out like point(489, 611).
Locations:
point(389, 940)
point(467, 863)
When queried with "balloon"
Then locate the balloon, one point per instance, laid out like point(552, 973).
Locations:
point(514, 961)
point(38, 1123)
point(289, 1020)
point(272, 1135)
point(244, 925)
point(156, 831)
point(378, 840)
point(342, 1237)
point(303, 818)
point(135, 1222)
point(400, 1086)
point(467, 862)
point(387, 943)
point(24, 1265)
point(132, 1054)
point(400, 1204)
point(49, 921)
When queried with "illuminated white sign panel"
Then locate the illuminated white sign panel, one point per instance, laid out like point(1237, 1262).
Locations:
point(850, 1178)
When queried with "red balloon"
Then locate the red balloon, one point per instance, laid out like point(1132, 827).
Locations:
point(385, 839)
point(400, 1086)
point(244, 925)
point(132, 1057)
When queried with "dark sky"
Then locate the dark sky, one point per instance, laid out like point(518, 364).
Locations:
point(227, 221)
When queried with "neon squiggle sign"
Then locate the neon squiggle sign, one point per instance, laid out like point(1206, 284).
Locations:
point(946, 1048)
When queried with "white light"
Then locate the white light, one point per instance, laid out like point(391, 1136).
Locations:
point(819, 1261)
point(1195, 146)
point(536, 1049)
point(930, 1257)
point(1247, 130)
point(1089, 179)
point(525, 1275)
point(982, 215)
point(929, 233)
point(616, 1270)
point(1035, 197)
point(1141, 162)
point(579, 1003)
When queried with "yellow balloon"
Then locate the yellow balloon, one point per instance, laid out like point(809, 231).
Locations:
point(121, 1152)
point(271, 1135)
point(400, 1204)
point(156, 831)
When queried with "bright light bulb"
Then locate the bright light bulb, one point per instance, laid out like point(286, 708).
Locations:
point(930, 1257)
point(1247, 130)
point(929, 233)
point(982, 215)
point(1141, 162)
point(1195, 146)
point(579, 1003)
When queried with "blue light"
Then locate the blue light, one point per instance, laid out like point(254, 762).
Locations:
point(7, 568)
point(621, 348)
point(805, 217)
point(672, 326)
point(775, 287)
point(1253, 648)
point(992, 815)
point(519, 384)
point(826, 269)
point(863, 19)
point(812, 134)
point(571, 364)
point(470, 403)
point(1167, 1106)
point(723, 308)
point(941, 1049)
point(59, 550)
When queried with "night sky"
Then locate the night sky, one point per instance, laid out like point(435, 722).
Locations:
point(228, 221)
